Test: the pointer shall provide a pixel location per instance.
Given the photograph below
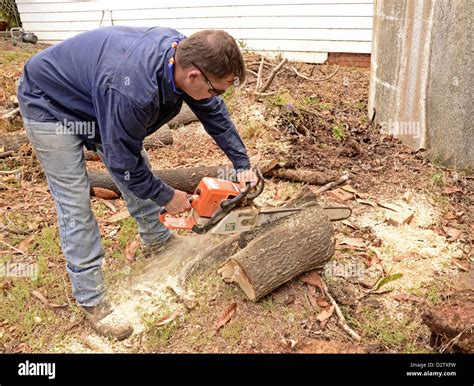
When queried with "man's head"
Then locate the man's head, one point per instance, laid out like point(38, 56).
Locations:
point(207, 63)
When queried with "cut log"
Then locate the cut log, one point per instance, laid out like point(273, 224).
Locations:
point(184, 117)
point(452, 322)
point(303, 242)
point(161, 137)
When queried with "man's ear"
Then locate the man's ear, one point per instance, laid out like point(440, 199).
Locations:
point(193, 74)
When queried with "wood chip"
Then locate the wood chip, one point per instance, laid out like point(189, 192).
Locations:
point(408, 255)
point(340, 195)
point(399, 218)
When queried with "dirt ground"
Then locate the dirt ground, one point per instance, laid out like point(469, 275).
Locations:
point(382, 276)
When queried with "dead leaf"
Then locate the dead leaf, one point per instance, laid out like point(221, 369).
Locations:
point(108, 204)
point(130, 250)
point(325, 314)
point(350, 224)
point(452, 233)
point(408, 298)
point(106, 194)
point(226, 316)
point(321, 302)
point(451, 190)
point(314, 279)
point(40, 297)
point(23, 246)
point(353, 242)
point(312, 300)
point(167, 319)
point(366, 259)
point(464, 265)
point(123, 214)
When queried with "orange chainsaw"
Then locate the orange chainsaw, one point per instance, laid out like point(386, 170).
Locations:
point(222, 205)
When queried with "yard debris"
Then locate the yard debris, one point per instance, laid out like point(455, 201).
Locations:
point(399, 218)
point(340, 195)
point(106, 194)
point(352, 243)
point(119, 216)
point(408, 255)
point(452, 233)
point(403, 297)
point(325, 314)
point(226, 316)
point(167, 319)
point(461, 264)
point(37, 294)
point(130, 250)
point(312, 278)
point(451, 190)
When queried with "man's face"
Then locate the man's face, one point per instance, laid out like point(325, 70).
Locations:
point(202, 86)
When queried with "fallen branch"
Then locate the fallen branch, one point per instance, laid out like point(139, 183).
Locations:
point(332, 184)
point(6, 154)
point(312, 79)
point(272, 76)
point(342, 320)
point(11, 114)
point(307, 176)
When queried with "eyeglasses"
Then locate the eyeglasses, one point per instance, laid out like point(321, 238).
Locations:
point(212, 90)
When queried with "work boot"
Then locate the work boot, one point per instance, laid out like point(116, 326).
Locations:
point(154, 249)
point(105, 321)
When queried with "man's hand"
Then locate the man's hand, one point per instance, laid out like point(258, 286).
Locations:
point(247, 176)
point(178, 204)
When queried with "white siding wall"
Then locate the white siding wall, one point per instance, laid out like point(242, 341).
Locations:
point(305, 30)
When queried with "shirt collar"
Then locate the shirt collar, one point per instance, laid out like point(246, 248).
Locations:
point(170, 92)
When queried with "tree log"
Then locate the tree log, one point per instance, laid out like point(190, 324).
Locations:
point(303, 242)
point(184, 117)
point(162, 137)
point(185, 179)
point(453, 321)
point(306, 176)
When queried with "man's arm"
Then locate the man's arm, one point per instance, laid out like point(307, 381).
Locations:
point(122, 127)
point(215, 118)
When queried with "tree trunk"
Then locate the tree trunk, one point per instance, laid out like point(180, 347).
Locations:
point(184, 117)
point(185, 179)
point(162, 137)
point(453, 321)
point(280, 252)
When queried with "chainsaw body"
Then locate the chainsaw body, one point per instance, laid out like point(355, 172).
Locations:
point(205, 205)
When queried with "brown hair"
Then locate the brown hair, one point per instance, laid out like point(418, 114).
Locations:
point(215, 51)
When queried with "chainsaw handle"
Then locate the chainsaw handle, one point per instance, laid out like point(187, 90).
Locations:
point(163, 210)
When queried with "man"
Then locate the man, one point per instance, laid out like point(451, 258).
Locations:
point(108, 89)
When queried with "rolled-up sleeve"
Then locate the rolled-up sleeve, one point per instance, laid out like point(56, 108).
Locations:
point(122, 126)
point(215, 118)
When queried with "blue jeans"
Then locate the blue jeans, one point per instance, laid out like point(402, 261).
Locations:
point(62, 157)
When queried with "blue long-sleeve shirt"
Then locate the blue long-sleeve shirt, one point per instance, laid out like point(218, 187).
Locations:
point(113, 86)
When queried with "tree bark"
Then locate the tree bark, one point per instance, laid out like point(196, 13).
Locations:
point(300, 243)
point(185, 179)
point(184, 117)
point(14, 141)
point(452, 321)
